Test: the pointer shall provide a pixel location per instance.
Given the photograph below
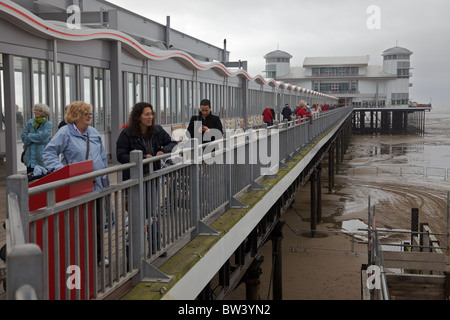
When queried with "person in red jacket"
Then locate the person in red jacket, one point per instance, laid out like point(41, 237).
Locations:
point(302, 110)
point(268, 116)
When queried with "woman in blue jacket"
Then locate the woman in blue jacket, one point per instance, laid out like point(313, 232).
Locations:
point(77, 141)
point(35, 136)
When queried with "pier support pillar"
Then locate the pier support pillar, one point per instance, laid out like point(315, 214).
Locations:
point(252, 282)
point(319, 193)
point(313, 182)
point(385, 121)
point(206, 293)
point(362, 116)
point(277, 237)
point(338, 152)
point(331, 169)
point(414, 224)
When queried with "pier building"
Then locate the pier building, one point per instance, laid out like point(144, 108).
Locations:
point(352, 79)
point(112, 58)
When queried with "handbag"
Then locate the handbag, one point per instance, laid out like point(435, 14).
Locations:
point(23, 155)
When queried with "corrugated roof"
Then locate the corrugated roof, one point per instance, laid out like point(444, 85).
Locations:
point(277, 54)
point(396, 50)
point(336, 61)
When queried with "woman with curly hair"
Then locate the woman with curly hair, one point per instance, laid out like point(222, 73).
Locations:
point(141, 133)
point(77, 141)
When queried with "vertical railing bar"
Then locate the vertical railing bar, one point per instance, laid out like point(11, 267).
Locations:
point(107, 207)
point(150, 224)
point(117, 236)
point(94, 247)
point(87, 245)
point(101, 236)
point(56, 254)
point(66, 248)
point(77, 243)
point(148, 211)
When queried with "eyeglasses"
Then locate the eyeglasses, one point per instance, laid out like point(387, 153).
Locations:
point(88, 114)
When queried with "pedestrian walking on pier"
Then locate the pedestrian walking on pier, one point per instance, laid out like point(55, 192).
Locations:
point(268, 116)
point(302, 113)
point(286, 112)
point(210, 127)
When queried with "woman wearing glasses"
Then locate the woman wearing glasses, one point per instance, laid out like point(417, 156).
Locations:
point(77, 141)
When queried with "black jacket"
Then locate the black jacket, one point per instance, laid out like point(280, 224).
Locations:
point(129, 141)
point(211, 121)
point(286, 112)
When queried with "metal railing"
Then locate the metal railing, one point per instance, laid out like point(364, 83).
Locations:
point(331, 240)
point(405, 170)
point(23, 258)
point(96, 242)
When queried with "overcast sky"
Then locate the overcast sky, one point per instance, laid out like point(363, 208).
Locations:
point(319, 28)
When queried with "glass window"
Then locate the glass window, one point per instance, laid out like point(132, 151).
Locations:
point(70, 86)
point(130, 93)
point(39, 81)
point(153, 91)
point(162, 101)
point(173, 100)
point(107, 101)
point(190, 100)
point(87, 85)
point(139, 95)
point(98, 105)
point(179, 100)
point(22, 75)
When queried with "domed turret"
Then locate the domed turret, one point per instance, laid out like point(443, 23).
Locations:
point(397, 51)
point(277, 63)
point(396, 61)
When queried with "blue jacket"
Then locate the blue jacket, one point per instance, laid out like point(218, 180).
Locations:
point(73, 145)
point(35, 141)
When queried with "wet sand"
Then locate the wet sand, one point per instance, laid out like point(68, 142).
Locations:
point(371, 168)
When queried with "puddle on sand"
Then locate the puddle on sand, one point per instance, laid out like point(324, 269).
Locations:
point(353, 225)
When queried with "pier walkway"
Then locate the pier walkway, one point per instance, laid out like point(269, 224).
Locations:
point(188, 231)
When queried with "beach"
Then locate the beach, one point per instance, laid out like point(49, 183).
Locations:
point(395, 173)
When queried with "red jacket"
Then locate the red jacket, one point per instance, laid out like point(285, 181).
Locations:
point(302, 113)
point(267, 115)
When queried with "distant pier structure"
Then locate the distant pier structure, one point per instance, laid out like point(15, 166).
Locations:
point(403, 120)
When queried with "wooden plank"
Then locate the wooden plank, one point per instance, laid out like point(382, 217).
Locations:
point(416, 278)
point(229, 124)
point(415, 260)
point(416, 287)
point(241, 124)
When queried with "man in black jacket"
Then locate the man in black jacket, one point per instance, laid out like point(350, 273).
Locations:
point(286, 112)
point(210, 127)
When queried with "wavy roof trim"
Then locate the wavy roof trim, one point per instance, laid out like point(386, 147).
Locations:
point(45, 29)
